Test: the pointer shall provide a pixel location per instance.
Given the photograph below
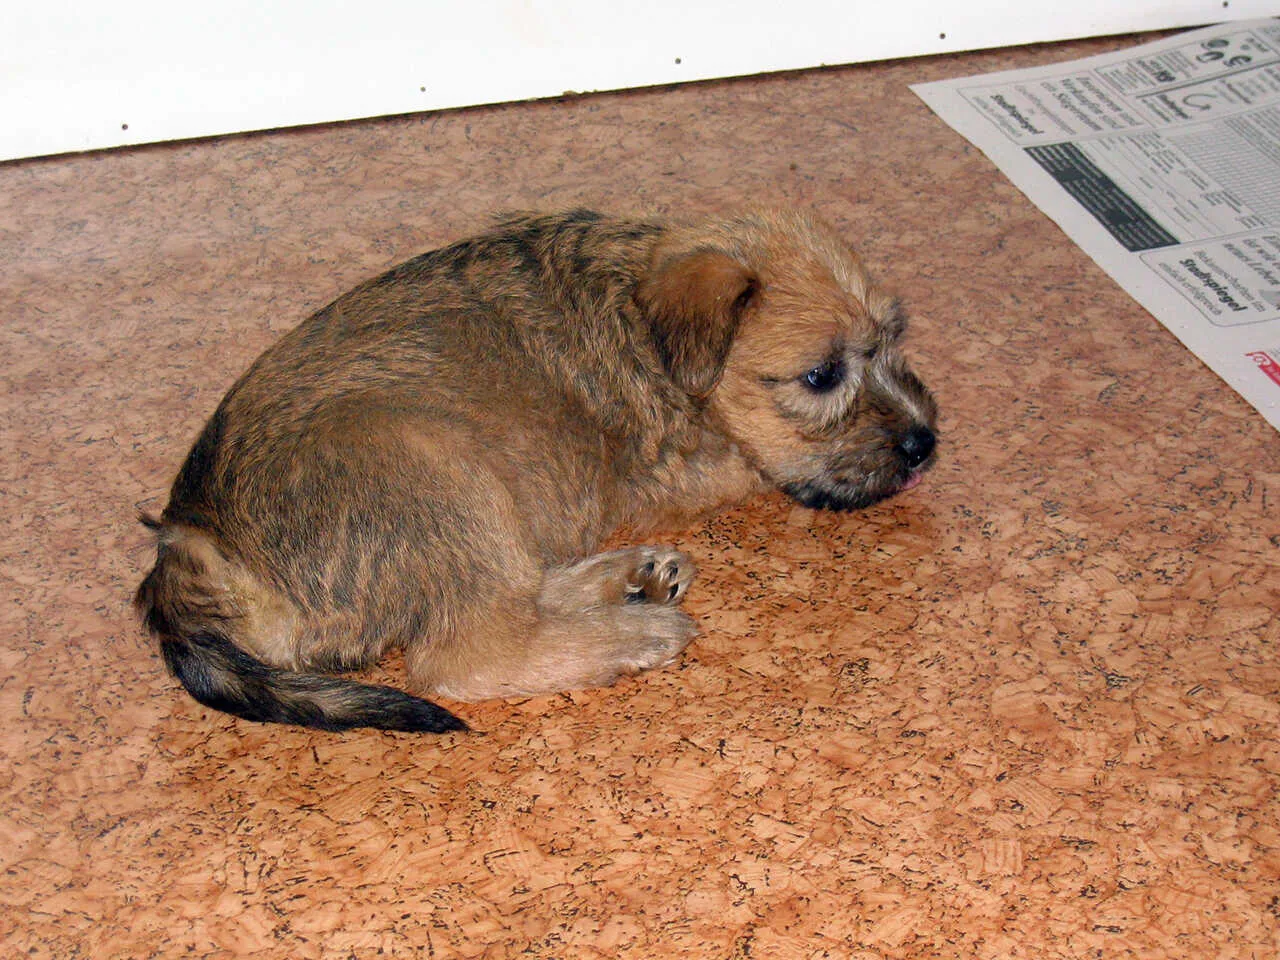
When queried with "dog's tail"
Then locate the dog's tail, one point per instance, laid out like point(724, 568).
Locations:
point(220, 675)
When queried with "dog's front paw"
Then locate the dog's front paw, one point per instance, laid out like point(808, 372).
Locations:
point(655, 637)
point(634, 575)
point(661, 575)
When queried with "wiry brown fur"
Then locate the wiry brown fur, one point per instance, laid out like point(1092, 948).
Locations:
point(431, 461)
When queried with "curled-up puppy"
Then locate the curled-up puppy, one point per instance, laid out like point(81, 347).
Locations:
point(431, 462)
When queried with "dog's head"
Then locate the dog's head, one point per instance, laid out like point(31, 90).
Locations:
point(772, 322)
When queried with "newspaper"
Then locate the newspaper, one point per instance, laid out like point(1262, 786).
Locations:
point(1163, 163)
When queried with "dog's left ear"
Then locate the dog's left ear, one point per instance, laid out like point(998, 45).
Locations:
point(693, 303)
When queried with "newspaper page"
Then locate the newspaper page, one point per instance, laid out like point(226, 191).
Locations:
point(1163, 163)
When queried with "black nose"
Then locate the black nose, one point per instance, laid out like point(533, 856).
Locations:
point(916, 446)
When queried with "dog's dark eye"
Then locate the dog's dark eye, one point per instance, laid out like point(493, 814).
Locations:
point(826, 377)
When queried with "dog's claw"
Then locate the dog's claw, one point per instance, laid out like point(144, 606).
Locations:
point(662, 578)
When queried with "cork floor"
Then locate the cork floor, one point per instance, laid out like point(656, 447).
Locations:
point(1028, 709)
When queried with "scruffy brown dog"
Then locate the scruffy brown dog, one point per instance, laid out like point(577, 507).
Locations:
point(430, 462)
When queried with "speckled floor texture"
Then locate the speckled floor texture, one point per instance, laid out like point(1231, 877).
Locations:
point(1029, 709)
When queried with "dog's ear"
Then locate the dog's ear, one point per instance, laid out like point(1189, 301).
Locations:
point(693, 303)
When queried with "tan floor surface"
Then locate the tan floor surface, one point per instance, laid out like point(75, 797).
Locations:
point(1028, 709)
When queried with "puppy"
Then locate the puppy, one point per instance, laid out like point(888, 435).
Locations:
point(430, 462)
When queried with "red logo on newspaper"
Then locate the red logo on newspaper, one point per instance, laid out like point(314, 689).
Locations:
point(1267, 364)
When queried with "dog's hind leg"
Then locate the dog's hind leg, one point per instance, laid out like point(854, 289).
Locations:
point(590, 623)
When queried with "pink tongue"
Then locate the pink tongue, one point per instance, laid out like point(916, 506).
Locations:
point(911, 481)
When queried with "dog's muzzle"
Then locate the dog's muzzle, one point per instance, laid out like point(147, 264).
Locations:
point(900, 470)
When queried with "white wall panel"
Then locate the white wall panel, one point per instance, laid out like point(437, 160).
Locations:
point(77, 76)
